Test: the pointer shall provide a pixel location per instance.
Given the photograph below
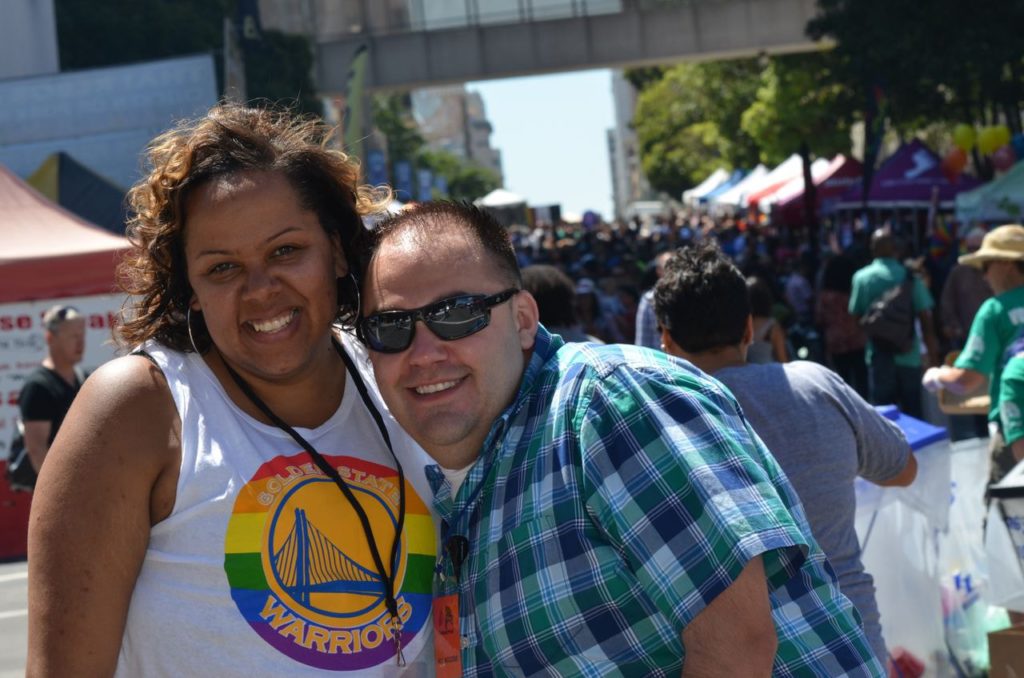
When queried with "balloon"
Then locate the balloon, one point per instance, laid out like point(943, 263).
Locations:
point(953, 164)
point(1018, 145)
point(1004, 158)
point(1002, 134)
point(964, 137)
point(988, 140)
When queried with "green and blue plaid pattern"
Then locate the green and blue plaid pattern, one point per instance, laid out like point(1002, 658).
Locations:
point(618, 495)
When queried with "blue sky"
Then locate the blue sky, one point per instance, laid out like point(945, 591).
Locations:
point(551, 130)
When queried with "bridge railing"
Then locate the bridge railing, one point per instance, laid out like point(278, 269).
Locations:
point(403, 16)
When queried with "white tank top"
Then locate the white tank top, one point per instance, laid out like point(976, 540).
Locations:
point(262, 568)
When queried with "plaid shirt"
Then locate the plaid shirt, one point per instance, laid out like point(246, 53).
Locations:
point(617, 496)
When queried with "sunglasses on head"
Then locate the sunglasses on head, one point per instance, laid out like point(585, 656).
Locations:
point(449, 319)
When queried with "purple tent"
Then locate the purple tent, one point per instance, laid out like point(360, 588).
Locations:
point(906, 180)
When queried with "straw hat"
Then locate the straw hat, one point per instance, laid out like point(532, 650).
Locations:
point(1003, 243)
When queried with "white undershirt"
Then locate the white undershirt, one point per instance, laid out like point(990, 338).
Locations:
point(455, 477)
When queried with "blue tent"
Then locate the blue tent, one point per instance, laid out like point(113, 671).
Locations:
point(735, 178)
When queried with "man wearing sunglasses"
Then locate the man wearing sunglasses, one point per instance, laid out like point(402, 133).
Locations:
point(607, 509)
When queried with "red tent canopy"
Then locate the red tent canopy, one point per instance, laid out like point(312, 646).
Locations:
point(843, 173)
point(47, 252)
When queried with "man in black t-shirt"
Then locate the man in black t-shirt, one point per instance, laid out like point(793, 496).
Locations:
point(49, 389)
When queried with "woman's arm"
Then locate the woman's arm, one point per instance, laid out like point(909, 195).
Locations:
point(110, 474)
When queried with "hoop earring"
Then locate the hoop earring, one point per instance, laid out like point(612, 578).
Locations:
point(188, 324)
point(359, 298)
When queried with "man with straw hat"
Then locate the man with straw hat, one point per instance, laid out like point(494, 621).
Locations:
point(998, 323)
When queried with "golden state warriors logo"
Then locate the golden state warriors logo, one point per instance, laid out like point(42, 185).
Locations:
point(301, 570)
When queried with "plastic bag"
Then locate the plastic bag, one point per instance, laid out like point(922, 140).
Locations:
point(1005, 573)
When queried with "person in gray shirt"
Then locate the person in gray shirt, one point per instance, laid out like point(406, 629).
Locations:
point(820, 430)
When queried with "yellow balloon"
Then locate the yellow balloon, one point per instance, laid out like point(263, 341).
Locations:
point(964, 137)
point(988, 140)
point(1003, 135)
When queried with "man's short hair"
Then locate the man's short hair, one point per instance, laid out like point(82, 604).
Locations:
point(701, 299)
point(55, 316)
point(884, 244)
point(436, 216)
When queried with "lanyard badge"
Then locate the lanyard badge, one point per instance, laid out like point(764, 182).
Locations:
point(447, 633)
point(447, 638)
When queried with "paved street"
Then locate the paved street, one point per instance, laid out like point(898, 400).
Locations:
point(13, 618)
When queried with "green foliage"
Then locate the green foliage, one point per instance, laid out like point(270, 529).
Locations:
point(392, 116)
point(942, 60)
point(466, 180)
point(698, 117)
point(798, 103)
point(688, 122)
point(643, 76)
point(279, 68)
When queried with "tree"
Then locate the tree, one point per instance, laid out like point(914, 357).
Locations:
point(392, 116)
point(466, 180)
point(796, 103)
point(688, 122)
point(942, 60)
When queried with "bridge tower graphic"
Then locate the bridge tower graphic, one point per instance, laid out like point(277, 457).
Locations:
point(308, 562)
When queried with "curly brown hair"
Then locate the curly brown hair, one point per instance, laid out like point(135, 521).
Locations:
point(229, 139)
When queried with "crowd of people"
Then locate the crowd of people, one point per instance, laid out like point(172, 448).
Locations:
point(431, 448)
point(800, 299)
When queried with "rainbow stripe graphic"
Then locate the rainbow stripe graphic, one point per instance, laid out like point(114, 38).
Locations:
point(301, 570)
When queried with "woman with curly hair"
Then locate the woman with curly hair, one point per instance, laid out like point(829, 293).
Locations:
point(231, 499)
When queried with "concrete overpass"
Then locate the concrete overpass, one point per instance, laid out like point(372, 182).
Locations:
point(423, 43)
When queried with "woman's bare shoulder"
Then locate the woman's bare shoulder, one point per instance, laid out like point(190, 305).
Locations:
point(122, 425)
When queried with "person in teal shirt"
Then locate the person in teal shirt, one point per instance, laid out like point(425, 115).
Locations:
point(1011, 400)
point(998, 324)
point(893, 377)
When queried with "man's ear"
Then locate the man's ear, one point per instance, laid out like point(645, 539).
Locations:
point(748, 332)
point(669, 345)
point(527, 318)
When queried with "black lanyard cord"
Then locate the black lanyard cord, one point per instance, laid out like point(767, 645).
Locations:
point(389, 579)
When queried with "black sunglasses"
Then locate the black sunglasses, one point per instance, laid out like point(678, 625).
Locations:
point(449, 319)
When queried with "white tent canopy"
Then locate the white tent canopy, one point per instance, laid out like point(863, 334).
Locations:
point(499, 197)
point(733, 196)
point(714, 180)
point(786, 170)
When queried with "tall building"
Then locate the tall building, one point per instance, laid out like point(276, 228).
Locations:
point(629, 184)
point(454, 120)
point(479, 135)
